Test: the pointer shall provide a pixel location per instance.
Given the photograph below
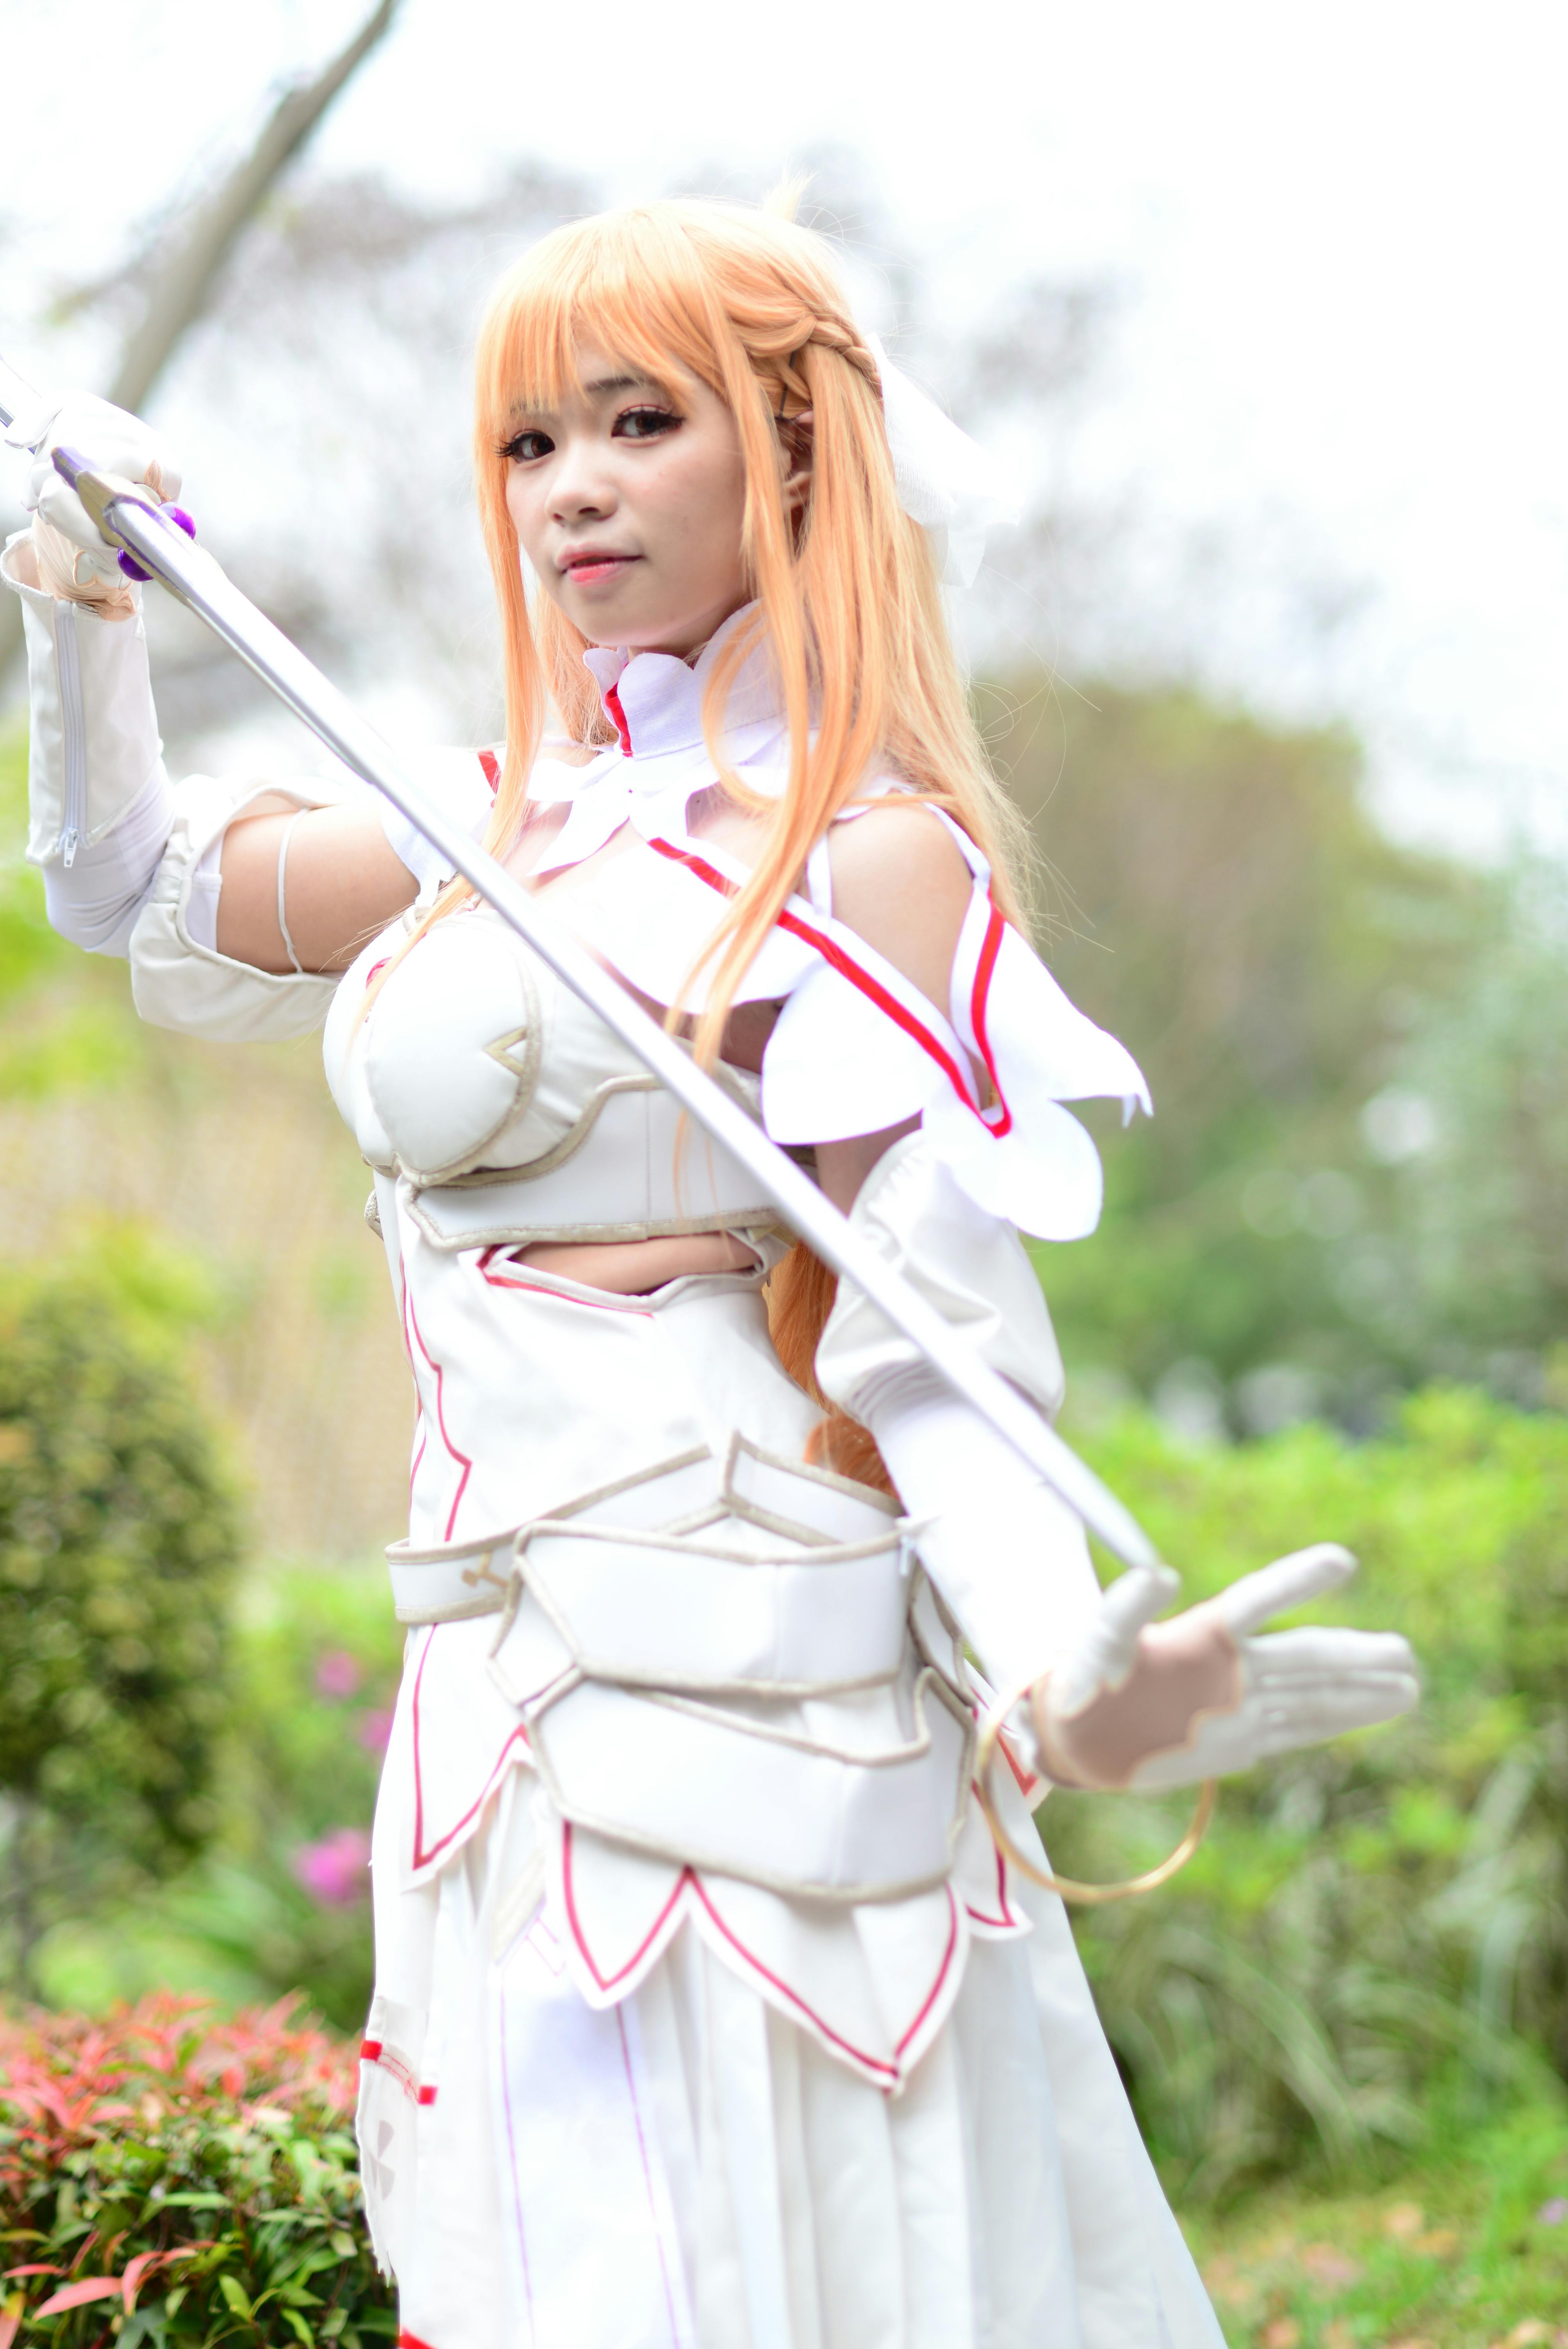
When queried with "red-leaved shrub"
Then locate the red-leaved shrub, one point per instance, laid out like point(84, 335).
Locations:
point(193, 2177)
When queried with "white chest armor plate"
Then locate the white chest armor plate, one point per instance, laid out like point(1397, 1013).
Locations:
point(509, 1109)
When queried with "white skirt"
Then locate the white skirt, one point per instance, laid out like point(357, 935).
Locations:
point(690, 2170)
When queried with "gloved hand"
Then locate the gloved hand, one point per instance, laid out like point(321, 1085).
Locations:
point(73, 561)
point(1141, 1704)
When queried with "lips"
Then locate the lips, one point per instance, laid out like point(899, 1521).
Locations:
point(584, 566)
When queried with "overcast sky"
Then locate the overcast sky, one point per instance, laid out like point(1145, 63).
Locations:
point(1337, 232)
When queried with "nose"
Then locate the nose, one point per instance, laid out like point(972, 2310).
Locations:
point(582, 488)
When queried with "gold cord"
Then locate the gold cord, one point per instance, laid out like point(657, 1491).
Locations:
point(1089, 1895)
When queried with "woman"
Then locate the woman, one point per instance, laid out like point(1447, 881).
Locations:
point(707, 2010)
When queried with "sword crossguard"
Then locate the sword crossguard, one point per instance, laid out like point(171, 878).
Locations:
point(100, 490)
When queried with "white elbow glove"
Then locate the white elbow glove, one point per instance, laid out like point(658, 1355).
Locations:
point(98, 794)
point(99, 802)
point(1120, 1700)
point(1009, 1560)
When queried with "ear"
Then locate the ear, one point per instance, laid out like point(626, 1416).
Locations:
point(796, 439)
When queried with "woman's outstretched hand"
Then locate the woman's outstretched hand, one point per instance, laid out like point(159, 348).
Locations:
point(1148, 1705)
point(73, 561)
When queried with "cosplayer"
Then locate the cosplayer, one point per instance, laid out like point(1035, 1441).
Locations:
point(708, 2012)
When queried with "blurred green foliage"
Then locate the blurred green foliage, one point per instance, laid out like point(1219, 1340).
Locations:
point(1372, 1944)
point(67, 1021)
point(279, 1901)
point(119, 1543)
point(1354, 1181)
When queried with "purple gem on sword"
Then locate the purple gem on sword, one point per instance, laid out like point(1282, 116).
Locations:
point(70, 463)
point(131, 568)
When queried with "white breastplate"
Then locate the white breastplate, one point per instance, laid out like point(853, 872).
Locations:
point(510, 1111)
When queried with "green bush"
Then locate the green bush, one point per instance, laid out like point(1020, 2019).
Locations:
point(279, 1901)
point(1372, 1942)
point(175, 2179)
point(118, 1545)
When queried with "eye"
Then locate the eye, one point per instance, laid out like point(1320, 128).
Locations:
point(643, 423)
point(524, 447)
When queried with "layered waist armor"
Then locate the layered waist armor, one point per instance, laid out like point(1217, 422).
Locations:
point(714, 1644)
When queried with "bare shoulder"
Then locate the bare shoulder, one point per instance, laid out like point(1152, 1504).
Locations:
point(899, 880)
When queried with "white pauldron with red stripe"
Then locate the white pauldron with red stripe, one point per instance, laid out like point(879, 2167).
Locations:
point(745, 1703)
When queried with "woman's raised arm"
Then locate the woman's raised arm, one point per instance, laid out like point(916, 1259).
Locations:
point(327, 873)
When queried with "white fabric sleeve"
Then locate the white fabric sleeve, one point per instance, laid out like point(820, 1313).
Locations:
point(95, 772)
point(94, 898)
point(1009, 1560)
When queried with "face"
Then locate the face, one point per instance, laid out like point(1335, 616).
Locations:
point(629, 502)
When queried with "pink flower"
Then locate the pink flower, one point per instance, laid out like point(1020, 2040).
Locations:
point(333, 1871)
point(337, 1673)
point(373, 1731)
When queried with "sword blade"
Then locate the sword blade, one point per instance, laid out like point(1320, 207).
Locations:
point(200, 582)
point(24, 412)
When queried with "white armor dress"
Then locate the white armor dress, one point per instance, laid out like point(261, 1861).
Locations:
point(706, 2015)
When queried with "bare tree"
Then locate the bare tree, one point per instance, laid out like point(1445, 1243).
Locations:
point(178, 277)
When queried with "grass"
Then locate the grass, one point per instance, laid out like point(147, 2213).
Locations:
point(1468, 2252)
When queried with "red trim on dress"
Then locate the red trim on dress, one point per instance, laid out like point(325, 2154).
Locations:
point(995, 929)
point(533, 1288)
point(411, 1318)
point(608, 1981)
point(941, 1972)
point(1003, 1903)
point(847, 967)
point(406, 2340)
point(491, 766)
point(372, 2051)
point(612, 704)
point(689, 1879)
point(422, 1857)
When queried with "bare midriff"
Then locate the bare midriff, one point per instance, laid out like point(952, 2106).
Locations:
point(633, 1268)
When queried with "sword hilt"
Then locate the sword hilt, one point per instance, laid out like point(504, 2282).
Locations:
point(98, 492)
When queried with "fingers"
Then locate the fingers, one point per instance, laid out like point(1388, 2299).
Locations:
point(115, 442)
point(1281, 1717)
point(1109, 1648)
point(1289, 1582)
point(1325, 1652)
point(60, 509)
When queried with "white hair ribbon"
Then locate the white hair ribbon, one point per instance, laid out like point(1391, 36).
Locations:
point(946, 481)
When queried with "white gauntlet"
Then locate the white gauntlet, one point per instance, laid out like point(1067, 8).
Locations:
point(1149, 1704)
point(95, 760)
point(1119, 1699)
point(1009, 1560)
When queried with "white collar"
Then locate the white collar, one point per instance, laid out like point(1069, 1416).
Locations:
point(655, 699)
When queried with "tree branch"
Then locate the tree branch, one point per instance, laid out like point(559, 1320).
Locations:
point(182, 287)
point(179, 291)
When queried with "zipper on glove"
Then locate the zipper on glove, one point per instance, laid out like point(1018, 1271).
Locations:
point(73, 731)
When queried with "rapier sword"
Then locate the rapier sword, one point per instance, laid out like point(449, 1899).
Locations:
point(131, 520)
